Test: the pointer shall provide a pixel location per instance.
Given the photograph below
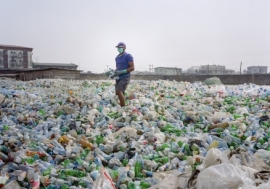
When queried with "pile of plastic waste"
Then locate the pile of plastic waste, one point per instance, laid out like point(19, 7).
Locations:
point(73, 134)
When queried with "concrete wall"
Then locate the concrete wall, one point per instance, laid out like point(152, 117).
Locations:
point(260, 79)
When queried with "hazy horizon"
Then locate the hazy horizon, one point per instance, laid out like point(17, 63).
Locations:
point(157, 32)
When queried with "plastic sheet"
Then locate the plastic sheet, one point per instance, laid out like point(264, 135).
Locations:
point(223, 176)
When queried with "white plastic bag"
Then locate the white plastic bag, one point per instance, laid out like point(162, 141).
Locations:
point(171, 180)
point(263, 154)
point(131, 132)
point(2, 98)
point(213, 157)
point(160, 136)
point(223, 176)
point(219, 116)
point(104, 181)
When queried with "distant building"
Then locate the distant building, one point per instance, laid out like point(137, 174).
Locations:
point(214, 70)
point(69, 66)
point(15, 56)
point(193, 70)
point(167, 71)
point(257, 69)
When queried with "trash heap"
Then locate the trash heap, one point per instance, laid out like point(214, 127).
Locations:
point(73, 134)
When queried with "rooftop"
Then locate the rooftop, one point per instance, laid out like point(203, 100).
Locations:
point(31, 69)
point(168, 68)
point(14, 47)
point(256, 66)
point(56, 64)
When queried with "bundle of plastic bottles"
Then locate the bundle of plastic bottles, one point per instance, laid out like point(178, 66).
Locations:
point(73, 134)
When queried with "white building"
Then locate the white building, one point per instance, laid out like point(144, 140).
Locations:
point(257, 69)
point(15, 56)
point(214, 70)
point(167, 71)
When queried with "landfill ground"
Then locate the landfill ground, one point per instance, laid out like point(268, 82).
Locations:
point(60, 134)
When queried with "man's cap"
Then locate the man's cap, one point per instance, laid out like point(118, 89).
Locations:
point(121, 44)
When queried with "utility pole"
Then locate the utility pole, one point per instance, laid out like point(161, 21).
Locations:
point(177, 73)
point(240, 67)
point(107, 67)
point(208, 70)
point(151, 68)
point(36, 59)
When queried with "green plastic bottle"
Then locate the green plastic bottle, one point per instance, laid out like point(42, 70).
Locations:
point(131, 185)
point(180, 143)
point(138, 169)
point(187, 150)
point(166, 127)
point(162, 160)
point(162, 147)
point(125, 162)
point(65, 162)
point(5, 128)
point(82, 184)
point(29, 160)
point(75, 173)
point(64, 186)
point(145, 185)
point(47, 171)
point(99, 139)
point(236, 116)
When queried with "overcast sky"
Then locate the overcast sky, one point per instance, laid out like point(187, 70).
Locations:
point(163, 33)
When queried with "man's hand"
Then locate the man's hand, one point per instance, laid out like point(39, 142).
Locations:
point(119, 72)
point(108, 73)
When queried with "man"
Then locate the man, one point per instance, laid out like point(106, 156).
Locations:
point(124, 65)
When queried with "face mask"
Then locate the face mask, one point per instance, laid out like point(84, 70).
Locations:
point(120, 50)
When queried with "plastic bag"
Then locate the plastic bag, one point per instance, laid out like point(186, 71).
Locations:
point(159, 136)
point(131, 132)
point(218, 116)
point(213, 157)
point(261, 186)
point(104, 181)
point(12, 185)
point(241, 110)
point(223, 176)
point(2, 98)
point(171, 179)
point(213, 81)
point(263, 154)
